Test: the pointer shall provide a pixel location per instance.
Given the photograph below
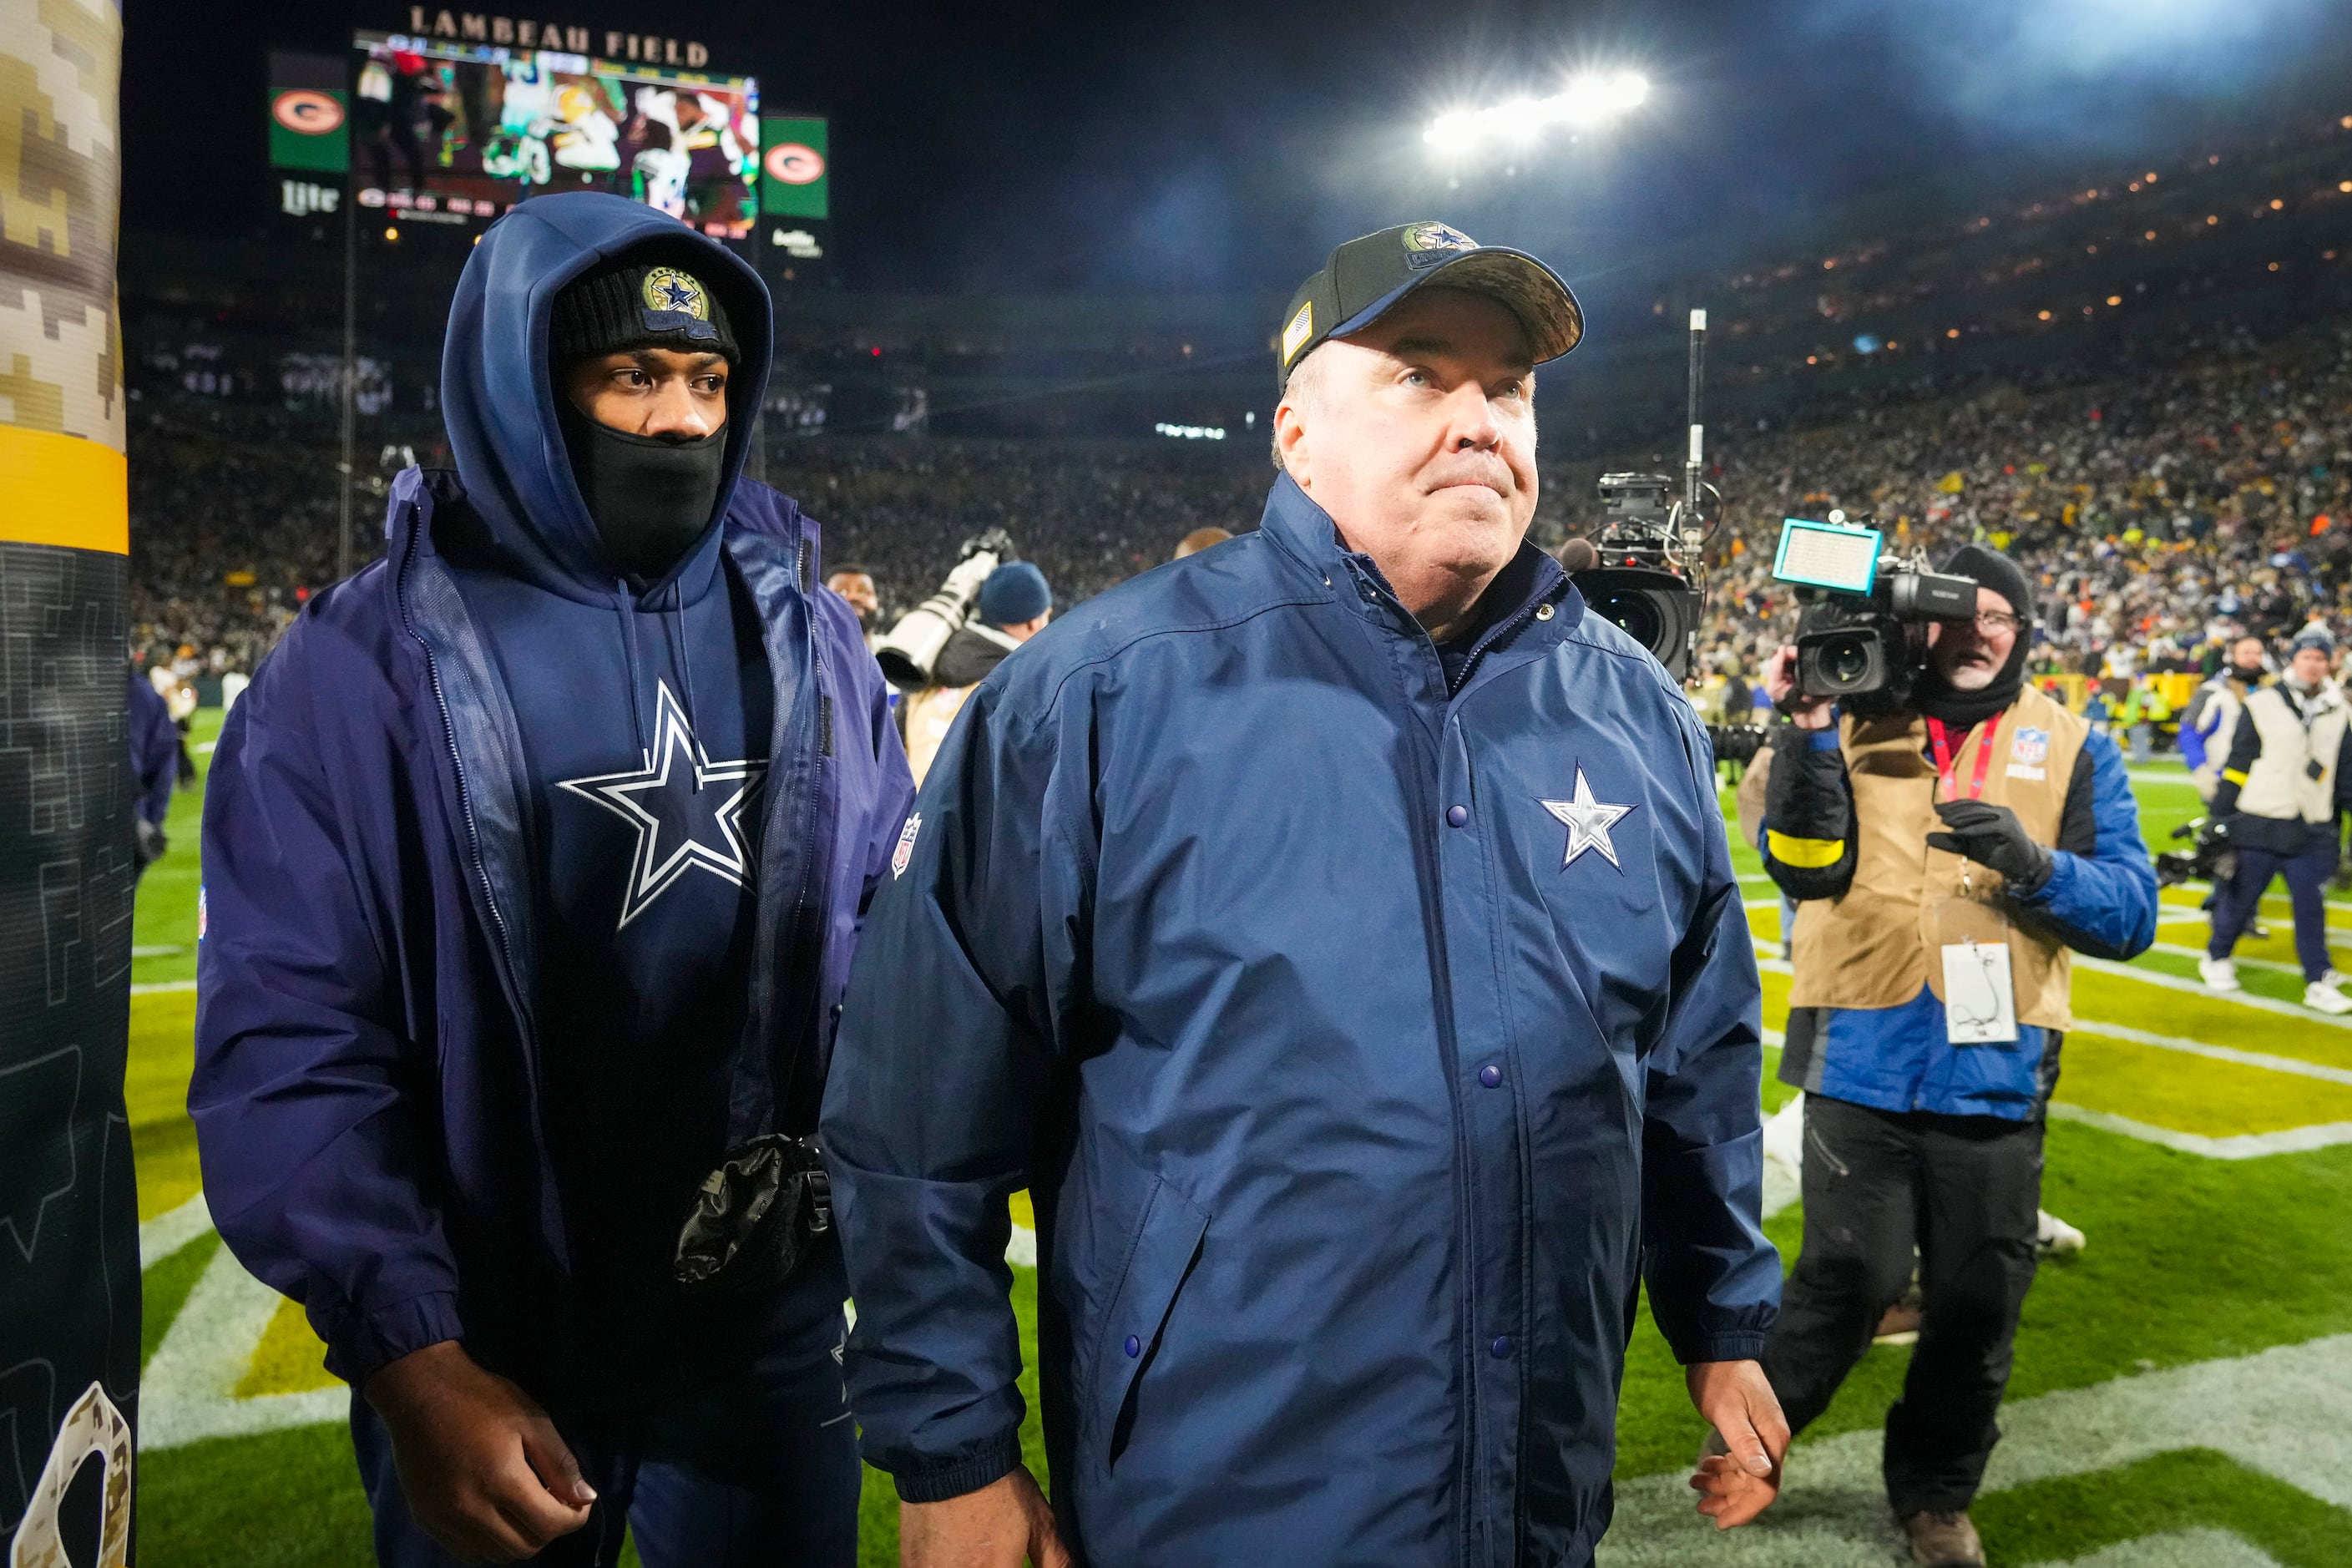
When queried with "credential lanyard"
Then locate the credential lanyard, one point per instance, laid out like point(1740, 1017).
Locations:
point(1948, 756)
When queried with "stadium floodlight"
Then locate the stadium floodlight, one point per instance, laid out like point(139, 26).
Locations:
point(1590, 100)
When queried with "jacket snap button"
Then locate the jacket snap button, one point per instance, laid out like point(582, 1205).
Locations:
point(1501, 1348)
point(1457, 815)
point(1543, 612)
point(1134, 1346)
point(1490, 1076)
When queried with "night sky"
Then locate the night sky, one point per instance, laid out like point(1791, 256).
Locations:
point(1051, 145)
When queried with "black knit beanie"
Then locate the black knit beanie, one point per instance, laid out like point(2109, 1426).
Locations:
point(1988, 568)
point(623, 306)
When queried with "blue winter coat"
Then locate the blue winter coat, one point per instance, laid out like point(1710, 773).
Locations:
point(1353, 1108)
point(367, 1075)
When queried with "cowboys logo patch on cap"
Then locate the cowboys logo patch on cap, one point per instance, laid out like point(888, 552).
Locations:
point(675, 301)
point(1426, 244)
point(1365, 277)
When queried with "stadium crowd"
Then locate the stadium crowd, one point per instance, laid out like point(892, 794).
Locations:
point(2160, 510)
point(2158, 514)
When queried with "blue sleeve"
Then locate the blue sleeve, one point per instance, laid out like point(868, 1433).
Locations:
point(935, 1086)
point(1714, 1281)
point(312, 1124)
point(2194, 725)
point(154, 750)
point(2102, 903)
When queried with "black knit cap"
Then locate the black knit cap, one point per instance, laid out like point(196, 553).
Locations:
point(1988, 568)
point(637, 305)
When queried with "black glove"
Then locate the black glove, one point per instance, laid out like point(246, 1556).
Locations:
point(1991, 835)
point(147, 841)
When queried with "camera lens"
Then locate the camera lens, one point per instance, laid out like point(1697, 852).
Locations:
point(1846, 663)
point(1634, 613)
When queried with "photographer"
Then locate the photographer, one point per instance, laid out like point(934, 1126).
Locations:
point(2277, 803)
point(1923, 863)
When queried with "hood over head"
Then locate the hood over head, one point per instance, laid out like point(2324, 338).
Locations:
point(499, 399)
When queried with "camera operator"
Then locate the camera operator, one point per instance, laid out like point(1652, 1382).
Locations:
point(1911, 1138)
point(2277, 803)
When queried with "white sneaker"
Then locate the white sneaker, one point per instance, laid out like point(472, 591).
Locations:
point(2054, 1234)
point(2323, 995)
point(2220, 973)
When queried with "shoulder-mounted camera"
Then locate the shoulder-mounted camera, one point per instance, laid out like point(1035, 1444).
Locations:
point(1862, 636)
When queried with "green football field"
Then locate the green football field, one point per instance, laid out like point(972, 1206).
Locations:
point(2183, 1391)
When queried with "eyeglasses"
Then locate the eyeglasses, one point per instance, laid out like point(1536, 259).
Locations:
point(1992, 623)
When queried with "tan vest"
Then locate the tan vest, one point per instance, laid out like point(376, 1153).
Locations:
point(930, 714)
point(2282, 785)
point(1878, 943)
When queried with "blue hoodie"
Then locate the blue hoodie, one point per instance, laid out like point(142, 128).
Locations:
point(455, 1046)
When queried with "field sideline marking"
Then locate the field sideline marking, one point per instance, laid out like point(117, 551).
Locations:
point(150, 987)
point(2283, 1411)
point(188, 1391)
point(2294, 1010)
point(2241, 1146)
point(171, 1230)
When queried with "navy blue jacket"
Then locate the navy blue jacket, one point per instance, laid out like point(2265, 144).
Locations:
point(154, 748)
point(1353, 1106)
point(367, 1081)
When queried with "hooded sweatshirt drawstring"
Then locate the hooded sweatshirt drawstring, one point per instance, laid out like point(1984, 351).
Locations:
point(678, 643)
point(624, 606)
point(674, 629)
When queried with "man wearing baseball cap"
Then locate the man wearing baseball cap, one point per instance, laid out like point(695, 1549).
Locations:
point(1334, 932)
point(533, 859)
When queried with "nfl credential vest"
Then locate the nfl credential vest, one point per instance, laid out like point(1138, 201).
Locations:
point(2281, 784)
point(1876, 944)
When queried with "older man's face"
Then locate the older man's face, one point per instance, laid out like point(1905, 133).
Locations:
point(1418, 436)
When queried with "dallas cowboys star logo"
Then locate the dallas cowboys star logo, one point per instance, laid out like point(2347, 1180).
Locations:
point(1589, 822)
point(678, 295)
point(681, 821)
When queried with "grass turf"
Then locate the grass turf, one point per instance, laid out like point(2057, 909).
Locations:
point(2190, 1259)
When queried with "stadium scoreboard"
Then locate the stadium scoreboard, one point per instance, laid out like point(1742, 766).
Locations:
point(450, 130)
point(457, 122)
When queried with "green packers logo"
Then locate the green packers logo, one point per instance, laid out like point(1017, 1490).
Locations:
point(672, 292)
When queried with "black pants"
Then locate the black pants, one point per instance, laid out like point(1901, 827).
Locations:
point(1965, 1190)
point(2306, 875)
point(759, 1469)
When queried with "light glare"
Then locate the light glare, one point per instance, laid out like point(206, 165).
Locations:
point(1589, 100)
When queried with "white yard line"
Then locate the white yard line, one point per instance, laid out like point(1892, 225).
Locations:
point(171, 1230)
point(2230, 1054)
point(2286, 1412)
point(150, 987)
point(2271, 964)
point(2242, 1146)
point(188, 1391)
point(2296, 1011)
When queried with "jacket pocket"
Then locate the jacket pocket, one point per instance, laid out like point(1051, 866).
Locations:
point(1159, 1257)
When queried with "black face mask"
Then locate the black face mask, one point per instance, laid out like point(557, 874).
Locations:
point(650, 499)
point(2250, 674)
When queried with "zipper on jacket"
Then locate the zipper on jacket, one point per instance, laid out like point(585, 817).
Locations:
point(457, 766)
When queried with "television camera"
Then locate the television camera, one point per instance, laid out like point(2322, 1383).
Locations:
point(2210, 859)
point(1645, 570)
point(1861, 636)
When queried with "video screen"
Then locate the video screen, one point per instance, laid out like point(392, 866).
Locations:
point(449, 132)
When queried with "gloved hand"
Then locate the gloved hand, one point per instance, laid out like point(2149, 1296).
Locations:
point(996, 542)
point(147, 841)
point(1991, 835)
